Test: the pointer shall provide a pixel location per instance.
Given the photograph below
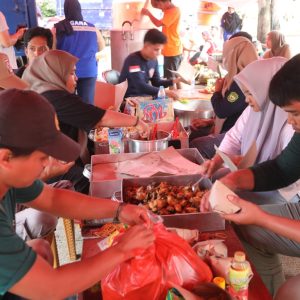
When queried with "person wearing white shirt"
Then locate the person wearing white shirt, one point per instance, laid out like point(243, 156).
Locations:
point(7, 40)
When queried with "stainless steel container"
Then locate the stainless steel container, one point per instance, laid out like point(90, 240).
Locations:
point(161, 143)
point(123, 42)
point(194, 109)
point(209, 221)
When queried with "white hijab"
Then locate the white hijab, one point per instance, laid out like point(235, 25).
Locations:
point(265, 126)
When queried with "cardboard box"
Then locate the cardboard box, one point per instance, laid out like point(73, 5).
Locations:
point(150, 110)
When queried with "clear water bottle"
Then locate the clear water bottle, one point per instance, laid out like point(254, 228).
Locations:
point(240, 274)
point(161, 93)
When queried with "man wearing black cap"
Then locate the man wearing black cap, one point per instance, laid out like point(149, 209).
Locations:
point(29, 134)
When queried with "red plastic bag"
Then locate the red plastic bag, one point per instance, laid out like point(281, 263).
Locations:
point(149, 275)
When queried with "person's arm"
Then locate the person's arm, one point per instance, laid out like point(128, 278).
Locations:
point(252, 214)
point(157, 81)
point(240, 180)
point(138, 80)
point(73, 205)
point(55, 168)
point(7, 40)
point(155, 21)
point(53, 30)
point(69, 280)
point(269, 175)
point(281, 171)
point(232, 103)
point(100, 40)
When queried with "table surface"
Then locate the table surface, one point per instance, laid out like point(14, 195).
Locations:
point(192, 94)
point(257, 289)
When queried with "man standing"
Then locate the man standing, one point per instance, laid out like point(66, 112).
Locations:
point(172, 50)
point(230, 23)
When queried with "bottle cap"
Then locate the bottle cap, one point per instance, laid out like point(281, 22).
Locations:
point(220, 282)
point(239, 256)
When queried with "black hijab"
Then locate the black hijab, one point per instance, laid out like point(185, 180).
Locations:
point(72, 9)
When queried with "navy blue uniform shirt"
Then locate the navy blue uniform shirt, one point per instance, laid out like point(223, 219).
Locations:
point(140, 73)
point(230, 106)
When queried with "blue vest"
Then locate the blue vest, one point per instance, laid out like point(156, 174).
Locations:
point(82, 44)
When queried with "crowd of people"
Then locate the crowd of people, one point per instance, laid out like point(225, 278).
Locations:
point(46, 111)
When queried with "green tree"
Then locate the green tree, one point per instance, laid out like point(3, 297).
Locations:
point(267, 18)
point(48, 8)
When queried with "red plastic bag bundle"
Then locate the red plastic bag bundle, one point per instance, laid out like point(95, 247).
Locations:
point(148, 275)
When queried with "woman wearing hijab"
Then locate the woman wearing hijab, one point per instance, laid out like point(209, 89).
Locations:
point(53, 76)
point(206, 50)
point(83, 40)
point(261, 124)
point(228, 100)
point(277, 45)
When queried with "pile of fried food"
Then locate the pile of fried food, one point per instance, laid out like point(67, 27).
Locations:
point(165, 199)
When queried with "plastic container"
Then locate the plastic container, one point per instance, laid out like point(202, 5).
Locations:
point(161, 93)
point(239, 276)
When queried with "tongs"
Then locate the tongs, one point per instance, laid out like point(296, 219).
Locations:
point(153, 134)
point(174, 132)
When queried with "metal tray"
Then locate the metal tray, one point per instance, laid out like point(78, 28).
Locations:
point(105, 178)
point(202, 221)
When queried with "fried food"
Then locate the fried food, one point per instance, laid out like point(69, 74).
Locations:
point(165, 199)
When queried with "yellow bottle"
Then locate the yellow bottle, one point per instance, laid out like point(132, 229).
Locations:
point(239, 276)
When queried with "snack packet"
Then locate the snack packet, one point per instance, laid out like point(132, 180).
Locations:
point(115, 141)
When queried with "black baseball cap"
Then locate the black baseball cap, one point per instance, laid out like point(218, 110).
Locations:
point(28, 122)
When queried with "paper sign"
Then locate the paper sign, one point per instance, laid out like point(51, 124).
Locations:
point(218, 199)
point(228, 162)
point(109, 96)
point(155, 110)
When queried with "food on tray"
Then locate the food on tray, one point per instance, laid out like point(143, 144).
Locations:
point(208, 90)
point(164, 198)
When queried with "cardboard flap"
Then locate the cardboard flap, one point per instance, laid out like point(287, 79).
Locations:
point(109, 96)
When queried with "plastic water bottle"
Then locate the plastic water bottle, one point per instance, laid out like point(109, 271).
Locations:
point(161, 93)
point(240, 274)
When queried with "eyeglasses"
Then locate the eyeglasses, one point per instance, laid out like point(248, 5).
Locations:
point(39, 49)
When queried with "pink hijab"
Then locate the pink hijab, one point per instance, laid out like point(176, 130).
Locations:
point(279, 46)
point(237, 54)
point(265, 126)
point(50, 71)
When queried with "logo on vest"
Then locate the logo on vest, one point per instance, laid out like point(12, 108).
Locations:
point(79, 23)
point(232, 97)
